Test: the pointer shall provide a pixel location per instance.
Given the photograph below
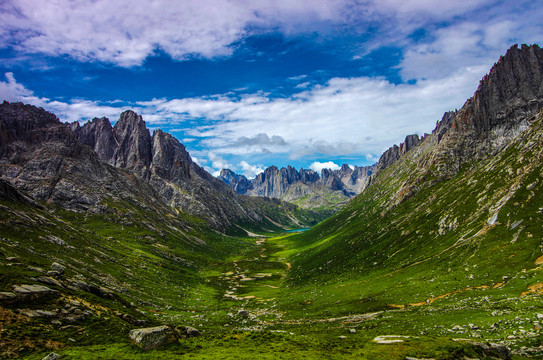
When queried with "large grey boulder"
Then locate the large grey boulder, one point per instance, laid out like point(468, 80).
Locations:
point(33, 292)
point(150, 338)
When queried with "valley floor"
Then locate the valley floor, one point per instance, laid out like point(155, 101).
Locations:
point(247, 308)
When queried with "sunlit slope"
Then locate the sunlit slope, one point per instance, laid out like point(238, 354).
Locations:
point(481, 227)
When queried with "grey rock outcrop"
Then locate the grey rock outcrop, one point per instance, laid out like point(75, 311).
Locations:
point(52, 356)
point(390, 156)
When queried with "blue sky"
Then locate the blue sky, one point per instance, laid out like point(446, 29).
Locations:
point(248, 84)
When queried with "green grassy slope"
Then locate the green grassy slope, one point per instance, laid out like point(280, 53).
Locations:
point(481, 229)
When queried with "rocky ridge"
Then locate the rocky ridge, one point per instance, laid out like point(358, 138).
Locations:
point(505, 103)
point(82, 167)
point(291, 185)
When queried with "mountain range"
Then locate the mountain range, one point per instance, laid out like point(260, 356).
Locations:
point(305, 187)
point(109, 229)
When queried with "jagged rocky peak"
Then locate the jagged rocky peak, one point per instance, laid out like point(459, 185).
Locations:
point(170, 159)
point(330, 179)
point(308, 176)
point(276, 183)
point(23, 122)
point(505, 103)
point(390, 156)
point(239, 183)
point(513, 90)
point(98, 134)
point(134, 143)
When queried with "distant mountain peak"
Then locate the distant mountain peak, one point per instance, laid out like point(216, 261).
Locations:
point(277, 183)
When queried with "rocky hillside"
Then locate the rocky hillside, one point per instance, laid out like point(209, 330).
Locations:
point(305, 188)
point(462, 206)
point(82, 168)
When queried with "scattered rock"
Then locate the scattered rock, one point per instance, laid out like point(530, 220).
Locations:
point(539, 316)
point(7, 297)
point(81, 285)
point(243, 313)
point(390, 339)
point(192, 332)
point(492, 350)
point(37, 313)
point(48, 281)
point(36, 269)
point(342, 337)
point(12, 259)
point(102, 292)
point(352, 331)
point(58, 268)
point(150, 338)
point(52, 356)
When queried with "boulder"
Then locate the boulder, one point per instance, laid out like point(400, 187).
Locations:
point(52, 356)
point(48, 281)
point(150, 338)
point(189, 331)
point(33, 292)
point(58, 268)
point(243, 313)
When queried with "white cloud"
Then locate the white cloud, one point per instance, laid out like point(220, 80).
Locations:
point(75, 110)
point(319, 166)
point(10, 90)
point(124, 34)
point(342, 117)
point(251, 171)
point(217, 162)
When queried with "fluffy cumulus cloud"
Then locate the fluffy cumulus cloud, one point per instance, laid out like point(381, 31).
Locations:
point(319, 166)
point(119, 32)
point(250, 171)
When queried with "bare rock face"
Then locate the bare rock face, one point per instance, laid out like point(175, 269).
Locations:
point(273, 182)
point(390, 156)
point(133, 144)
point(505, 103)
point(127, 145)
point(170, 159)
point(239, 183)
